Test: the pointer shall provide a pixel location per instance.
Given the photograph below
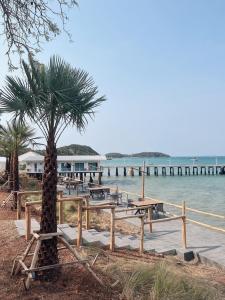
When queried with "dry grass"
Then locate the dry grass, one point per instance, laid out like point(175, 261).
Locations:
point(159, 281)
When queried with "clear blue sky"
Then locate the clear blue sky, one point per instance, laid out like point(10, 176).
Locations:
point(161, 65)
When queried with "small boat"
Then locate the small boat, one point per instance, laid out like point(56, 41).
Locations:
point(194, 159)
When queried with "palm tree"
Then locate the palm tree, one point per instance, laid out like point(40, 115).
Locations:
point(6, 150)
point(53, 96)
point(16, 136)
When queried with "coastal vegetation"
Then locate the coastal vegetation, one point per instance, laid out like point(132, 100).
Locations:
point(52, 96)
point(14, 137)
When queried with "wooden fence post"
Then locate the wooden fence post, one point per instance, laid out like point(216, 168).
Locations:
point(28, 222)
point(112, 230)
point(184, 234)
point(142, 236)
point(79, 228)
point(61, 216)
point(150, 218)
point(143, 182)
point(60, 193)
point(18, 206)
point(87, 213)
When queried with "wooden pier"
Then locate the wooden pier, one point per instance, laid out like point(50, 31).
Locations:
point(164, 170)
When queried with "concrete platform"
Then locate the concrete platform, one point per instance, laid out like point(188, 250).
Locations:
point(208, 244)
point(20, 226)
point(166, 238)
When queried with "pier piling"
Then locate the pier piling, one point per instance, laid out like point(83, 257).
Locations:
point(124, 171)
point(139, 171)
point(156, 173)
point(163, 171)
point(117, 174)
point(179, 171)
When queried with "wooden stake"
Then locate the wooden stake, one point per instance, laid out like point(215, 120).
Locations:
point(142, 236)
point(28, 222)
point(23, 256)
point(79, 228)
point(150, 218)
point(87, 214)
point(69, 186)
point(61, 217)
point(33, 263)
point(112, 230)
point(18, 206)
point(143, 182)
point(184, 234)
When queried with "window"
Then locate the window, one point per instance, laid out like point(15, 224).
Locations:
point(65, 167)
point(79, 166)
point(92, 166)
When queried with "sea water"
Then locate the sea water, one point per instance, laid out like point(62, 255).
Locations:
point(203, 192)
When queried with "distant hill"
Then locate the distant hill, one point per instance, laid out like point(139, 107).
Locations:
point(141, 154)
point(72, 149)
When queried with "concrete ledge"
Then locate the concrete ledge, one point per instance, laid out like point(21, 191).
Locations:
point(20, 226)
point(166, 251)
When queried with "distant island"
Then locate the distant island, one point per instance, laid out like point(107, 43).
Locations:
point(141, 154)
point(72, 149)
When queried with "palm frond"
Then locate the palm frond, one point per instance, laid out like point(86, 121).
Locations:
point(51, 95)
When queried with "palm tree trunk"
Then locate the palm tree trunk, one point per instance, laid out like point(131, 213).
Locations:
point(7, 167)
point(10, 178)
point(48, 253)
point(16, 186)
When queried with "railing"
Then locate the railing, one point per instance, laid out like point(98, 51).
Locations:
point(29, 193)
point(177, 206)
point(197, 211)
point(87, 208)
point(83, 206)
point(78, 200)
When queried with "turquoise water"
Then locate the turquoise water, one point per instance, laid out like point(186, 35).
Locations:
point(201, 192)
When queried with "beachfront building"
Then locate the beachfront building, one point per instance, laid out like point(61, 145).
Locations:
point(2, 163)
point(32, 163)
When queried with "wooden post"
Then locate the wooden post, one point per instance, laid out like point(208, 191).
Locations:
point(33, 263)
point(61, 217)
point(79, 227)
point(28, 222)
point(99, 178)
point(143, 182)
point(150, 218)
point(184, 235)
point(112, 230)
point(87, 213)
point(132, 171)
point(69, 186)
point(124, 171)
point(18, 206)
point(142, 236)
point(60, 194)
point(139, 171)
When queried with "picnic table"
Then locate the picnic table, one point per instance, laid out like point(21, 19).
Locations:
point(156, 205)
point(99, 192)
